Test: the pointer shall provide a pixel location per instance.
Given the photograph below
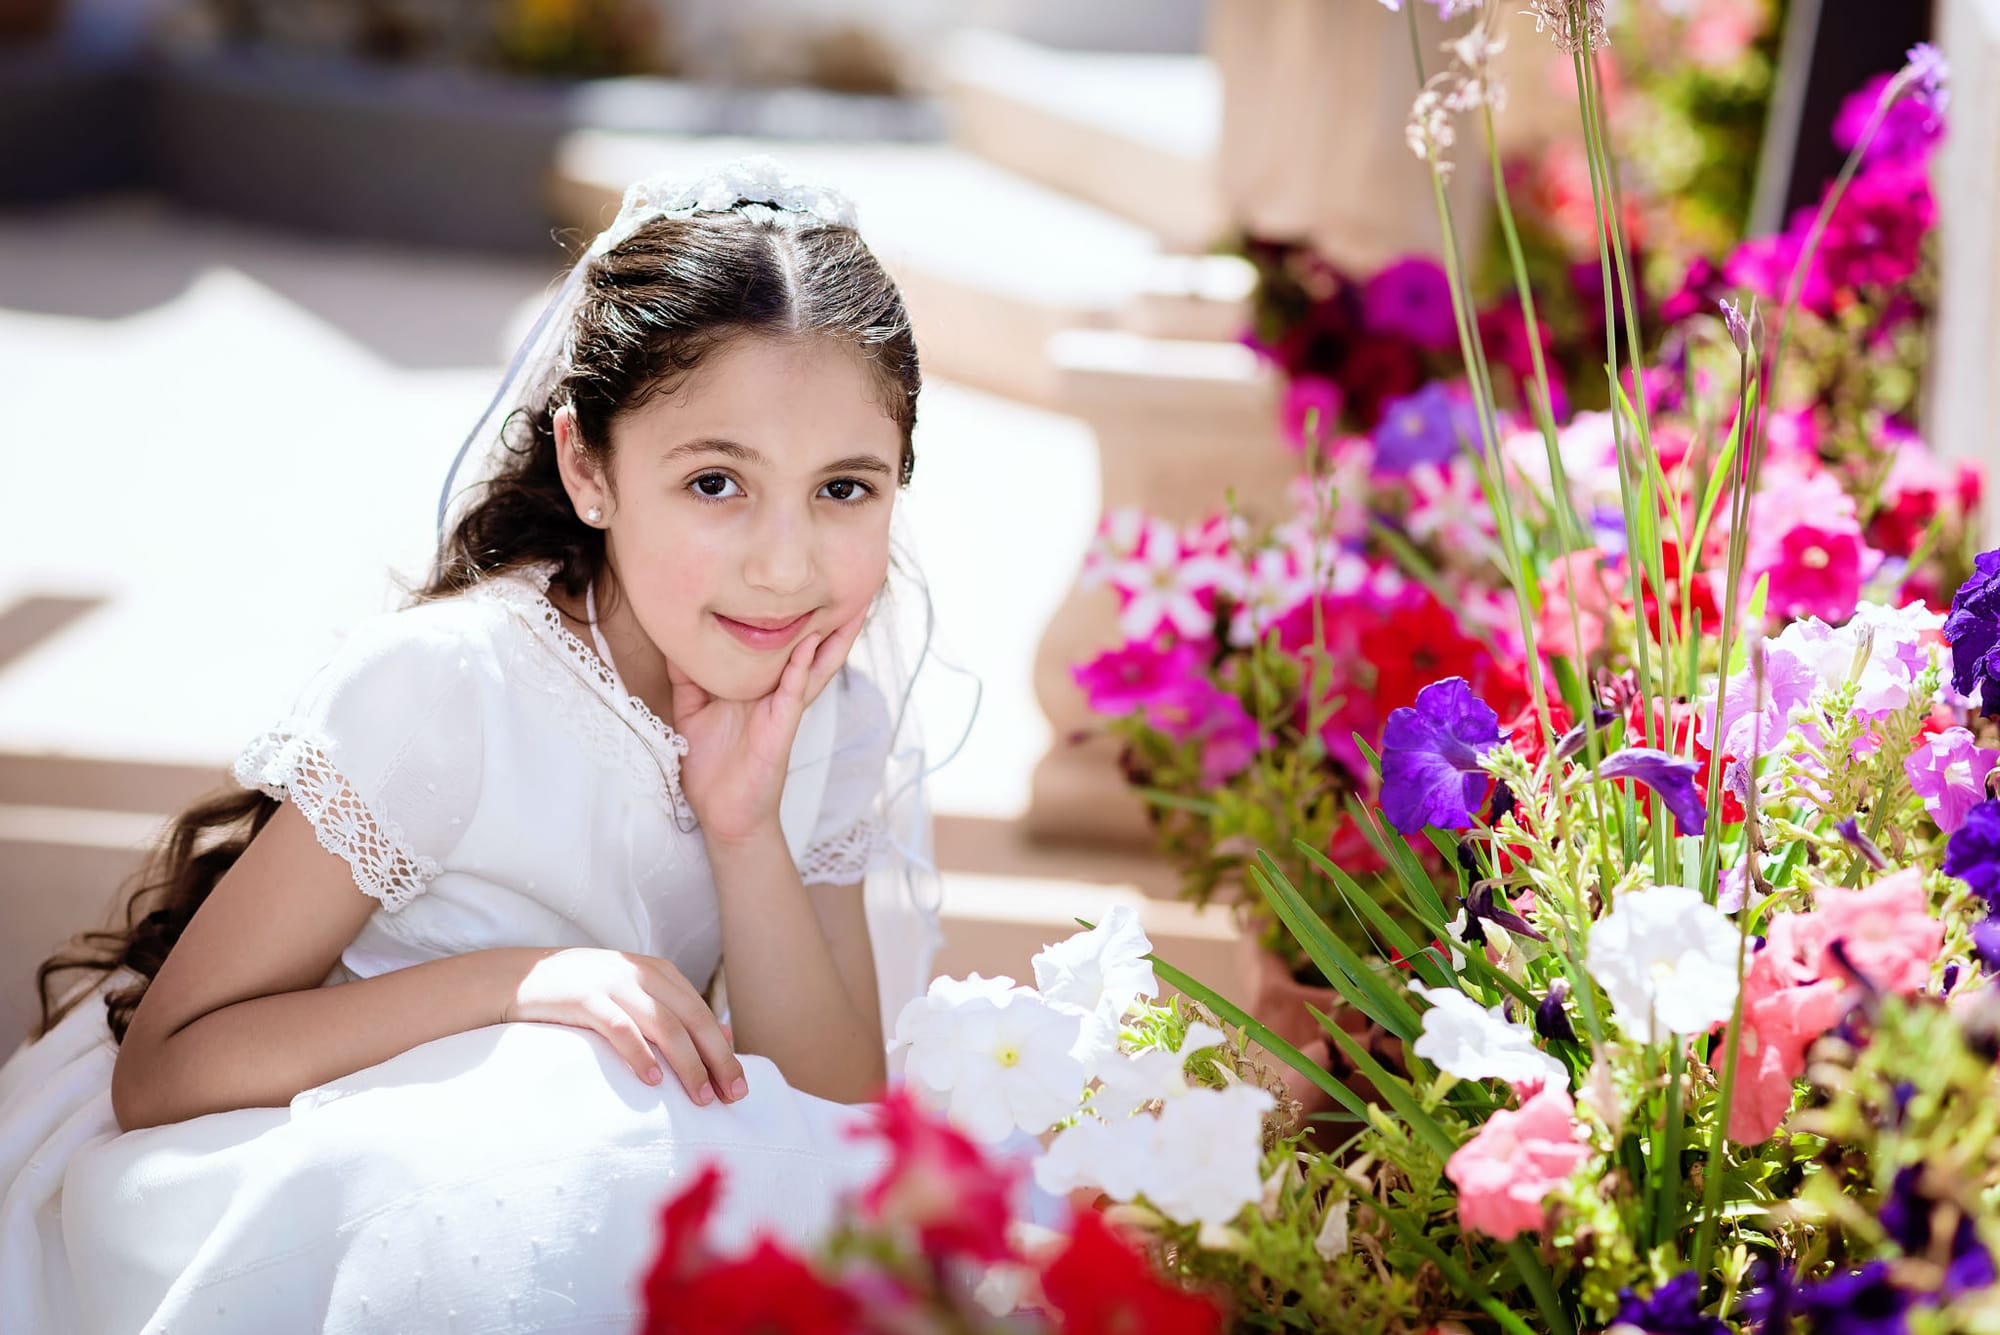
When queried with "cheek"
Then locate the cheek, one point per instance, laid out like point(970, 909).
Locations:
point(855, 567)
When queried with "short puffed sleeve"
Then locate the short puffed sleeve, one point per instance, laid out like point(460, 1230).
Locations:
point(383, 751)
point(848, 838)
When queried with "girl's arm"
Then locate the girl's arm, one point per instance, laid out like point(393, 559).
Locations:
point(802, 986)
point(237, 1018)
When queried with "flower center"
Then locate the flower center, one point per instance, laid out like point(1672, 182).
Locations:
point(1816, 558)
point(1008, 1056)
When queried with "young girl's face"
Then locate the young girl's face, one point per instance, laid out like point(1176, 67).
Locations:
point(757, 495)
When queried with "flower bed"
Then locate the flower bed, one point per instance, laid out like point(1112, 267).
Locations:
point(1648, 812)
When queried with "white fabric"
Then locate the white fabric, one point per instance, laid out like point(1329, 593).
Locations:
point(489, 782)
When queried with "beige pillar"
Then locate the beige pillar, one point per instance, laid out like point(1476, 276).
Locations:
point(1964, 389)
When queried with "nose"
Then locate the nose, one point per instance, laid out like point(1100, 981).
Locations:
point(780, 560)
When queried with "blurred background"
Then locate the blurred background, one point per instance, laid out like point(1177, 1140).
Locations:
point(261, 262)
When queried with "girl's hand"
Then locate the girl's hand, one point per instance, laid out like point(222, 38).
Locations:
point(634, 1000)
point(740, 750)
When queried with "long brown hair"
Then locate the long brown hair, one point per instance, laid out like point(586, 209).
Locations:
point(652, 309)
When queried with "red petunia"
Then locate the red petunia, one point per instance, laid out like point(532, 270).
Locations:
point(768, 1291)
point(939, 1183)
point(1098, 1285)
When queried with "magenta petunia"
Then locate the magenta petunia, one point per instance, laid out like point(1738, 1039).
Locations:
point(1430, 757)
point(1948, 771)
point(1910, 128)
point(1198, 710)
point(1411, 297)
point(1128, 679)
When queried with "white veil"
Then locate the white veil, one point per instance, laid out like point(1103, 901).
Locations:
point(903, 889)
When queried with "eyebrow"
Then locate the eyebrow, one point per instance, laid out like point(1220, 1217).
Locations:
point(853, 463)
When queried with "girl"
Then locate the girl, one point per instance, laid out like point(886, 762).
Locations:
point(416, 1032)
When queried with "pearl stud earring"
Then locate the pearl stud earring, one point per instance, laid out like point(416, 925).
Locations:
point(593, 515)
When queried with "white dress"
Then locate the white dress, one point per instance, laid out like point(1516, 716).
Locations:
point(492, 784)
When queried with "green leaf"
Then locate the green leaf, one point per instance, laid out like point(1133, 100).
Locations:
point(1739, 653)
point(1335, 958)
point(1399, 857)
point(1362, 904)
point(1461, 1280)
point(1394, 1089)
point(1717, 480)
point(1231, 1013)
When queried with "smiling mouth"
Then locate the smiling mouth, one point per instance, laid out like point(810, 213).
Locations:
point(765, 636)
point(767, 627)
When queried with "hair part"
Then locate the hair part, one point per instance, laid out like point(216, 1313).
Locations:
point(653, 309)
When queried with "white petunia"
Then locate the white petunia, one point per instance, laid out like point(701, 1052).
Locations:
point(992, 1055)
point(1130, 1082)
point(926, 1025)
point(1475, 1042)
point(1111, 1157)
point(1208, 1157)
point(1667, 960)
point(1104, 969)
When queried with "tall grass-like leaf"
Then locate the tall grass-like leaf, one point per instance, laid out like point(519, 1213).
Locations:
point(1394, 1089)
point(1336, 959)
point(1399, 857)
point(1421, 958)
point(1462, 1280)
point(1261, 1034)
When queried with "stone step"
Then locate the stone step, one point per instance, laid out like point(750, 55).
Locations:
point(1164, 412)
point(991, 264)
point(1131, 133)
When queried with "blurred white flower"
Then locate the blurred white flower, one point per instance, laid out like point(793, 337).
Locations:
point(1331, 1241)
point(1208, 1154)
point(1198, 1162)
point(1475, 1042)
point(1667, 960)
point(1111, 1157)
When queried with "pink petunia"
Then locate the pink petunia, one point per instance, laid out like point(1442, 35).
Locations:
point(1948, 770)
point(1200, 711)
point(1804, 535)
point(1781, 1019)
point(1886, 932)
point(1580, 577)
point(1505, 1172)
point(1311, 410)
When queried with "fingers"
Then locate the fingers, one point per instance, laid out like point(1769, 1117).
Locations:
point(664, 1029)
point(622, 1032)
point(831, 653)
point(688, 1032)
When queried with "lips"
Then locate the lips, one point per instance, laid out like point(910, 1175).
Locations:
point(764, 634)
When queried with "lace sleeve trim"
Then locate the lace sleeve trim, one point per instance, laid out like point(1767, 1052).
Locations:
point(846, 857)
point(291, 763)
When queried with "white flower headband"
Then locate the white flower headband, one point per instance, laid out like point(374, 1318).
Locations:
point(759, 187)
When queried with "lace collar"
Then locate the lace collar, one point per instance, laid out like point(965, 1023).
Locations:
point(525, 589)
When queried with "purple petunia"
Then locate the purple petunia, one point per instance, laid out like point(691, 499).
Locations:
point(1411, 297)
point(1430, 757)
point(1430, 426)
point(1973, 852)
point(1909, 1217)
point(1948, 771)
point(1973, 631)
point(1667, 775)
point(1673, 1309)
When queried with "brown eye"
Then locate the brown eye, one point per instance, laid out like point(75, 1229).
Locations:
point(854, 493)
point(709, 486)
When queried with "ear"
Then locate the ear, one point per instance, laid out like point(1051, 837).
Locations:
point(582, 478)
